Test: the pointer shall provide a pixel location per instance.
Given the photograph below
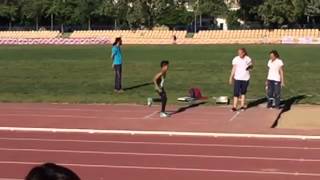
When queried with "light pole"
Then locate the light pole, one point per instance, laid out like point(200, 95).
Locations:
point(196, 10)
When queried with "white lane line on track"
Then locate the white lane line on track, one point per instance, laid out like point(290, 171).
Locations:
point(10, 179)
point(161, 143)
point(162, 133)
point(234, 116)
point(159, 154)
point(150, 115)
point(283, 173)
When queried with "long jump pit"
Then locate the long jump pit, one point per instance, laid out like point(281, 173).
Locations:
point(304, 117)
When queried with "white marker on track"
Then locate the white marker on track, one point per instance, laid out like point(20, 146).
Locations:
point(234, 116)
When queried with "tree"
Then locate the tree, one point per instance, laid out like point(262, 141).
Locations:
point(8, 10)
point(52, 11)
point(249, 10)
point(213, 8)
point(138, 13)
point(172, 13)
point(34, 9)
point(64, 11)
point(312, 9)
point(85, 10)
point(277, 12)
point(232, 20)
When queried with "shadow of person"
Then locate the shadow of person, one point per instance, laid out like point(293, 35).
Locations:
point(286, 106)
point(183, 109)
point(257, 102)
point(137, 86)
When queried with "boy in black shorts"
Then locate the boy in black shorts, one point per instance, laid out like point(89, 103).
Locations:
point(159, 80)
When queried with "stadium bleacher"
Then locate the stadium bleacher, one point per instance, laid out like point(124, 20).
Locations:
point(202, 37)
point(252, 36)
point(134, 37)
point(158, 36)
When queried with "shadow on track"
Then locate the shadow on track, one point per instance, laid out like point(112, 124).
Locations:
point(183, 109)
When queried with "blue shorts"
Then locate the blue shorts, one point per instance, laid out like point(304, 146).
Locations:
point(240, 88)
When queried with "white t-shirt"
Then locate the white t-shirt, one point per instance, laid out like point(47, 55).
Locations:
point(241, 72)
point(274, 69)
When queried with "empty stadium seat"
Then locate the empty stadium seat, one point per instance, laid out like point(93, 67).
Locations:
point(252, 36)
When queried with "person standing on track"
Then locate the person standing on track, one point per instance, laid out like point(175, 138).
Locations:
point(159, 80)
point(275, 80)
point(116, 57)
point(239, 77)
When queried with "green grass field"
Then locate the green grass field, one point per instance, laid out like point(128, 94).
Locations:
point(83, 74)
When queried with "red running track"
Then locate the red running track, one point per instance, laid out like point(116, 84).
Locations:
point(115, 157)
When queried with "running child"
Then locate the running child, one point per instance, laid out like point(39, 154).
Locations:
point(275, 79)
point(159, 80)
point(239, 77)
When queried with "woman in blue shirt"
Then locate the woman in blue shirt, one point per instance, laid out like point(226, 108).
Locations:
point(117, 64)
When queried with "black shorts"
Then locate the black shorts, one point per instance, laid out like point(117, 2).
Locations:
point(240, 88)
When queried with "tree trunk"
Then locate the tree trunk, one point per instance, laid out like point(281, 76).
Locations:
point(89, 23)
point(37, 23)
point(62, 28)
point(195, 23)
point(52, 19)
point(10, 25)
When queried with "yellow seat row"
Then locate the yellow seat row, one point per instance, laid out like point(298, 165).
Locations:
point(245, 34)
point(143, 34)
point(167, 36)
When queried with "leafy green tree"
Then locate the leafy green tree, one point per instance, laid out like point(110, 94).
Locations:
point(138, 13)
point(312, 8)
point(8, 10)
point(277, 12)
point(232, 20)
point(34, 9)
point(249, 10)
point(85, 10)
point(173, 13)
point(213, 8)
point(117, 9)
point(64, 12)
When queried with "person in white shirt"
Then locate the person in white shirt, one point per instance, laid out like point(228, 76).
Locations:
point(239, 77)
point(275, 79)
